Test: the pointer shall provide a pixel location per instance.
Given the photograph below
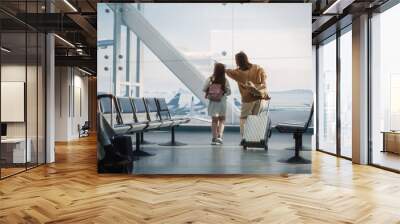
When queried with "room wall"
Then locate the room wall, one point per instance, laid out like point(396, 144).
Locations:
point(17, 73)
point(71, 102)
point(34, 124)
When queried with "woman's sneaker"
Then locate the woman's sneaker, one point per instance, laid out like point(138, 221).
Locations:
point(219, 140)
point(214, 141)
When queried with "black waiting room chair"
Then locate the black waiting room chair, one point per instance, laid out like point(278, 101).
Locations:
point(153, 116)
point(297, 129)
point(129, 117)
point(115, 153)
point(165, 116)
point(107, 107)
point(83, 130)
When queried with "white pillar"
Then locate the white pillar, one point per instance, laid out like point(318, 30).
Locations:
point(50, 98)
point(63, 103)
point(360, 90)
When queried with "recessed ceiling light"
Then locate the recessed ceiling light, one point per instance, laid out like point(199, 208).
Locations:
point(338, 6)
point(84, 71)
point(70, 5)
point(64, 40)
point(5, 50)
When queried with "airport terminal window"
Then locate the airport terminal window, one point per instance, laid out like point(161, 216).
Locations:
point(210, 42)
point(220, 33)
point(118, 72)
point(385, 89)
point(346, 93)
point(327, 95)
point(284, 63)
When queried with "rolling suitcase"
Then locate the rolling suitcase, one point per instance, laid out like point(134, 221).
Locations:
point(257, 130)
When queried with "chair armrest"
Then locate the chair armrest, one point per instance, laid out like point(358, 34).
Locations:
point(293, 123)
point(143, 122)
point(289, 128)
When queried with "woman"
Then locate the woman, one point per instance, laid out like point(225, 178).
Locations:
point(216, 91)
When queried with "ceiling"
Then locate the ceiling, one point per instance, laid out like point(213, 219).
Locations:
point(76, 21)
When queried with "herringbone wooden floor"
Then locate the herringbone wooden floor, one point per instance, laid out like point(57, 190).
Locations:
point(71, 191)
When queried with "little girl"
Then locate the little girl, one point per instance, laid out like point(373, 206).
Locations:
point(217, 89)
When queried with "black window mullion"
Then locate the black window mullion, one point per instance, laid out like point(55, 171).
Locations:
point(37, 90)
point(369, 81)
point(317, 96)
point(338, 98)
point(26, 86)
point(0, 93)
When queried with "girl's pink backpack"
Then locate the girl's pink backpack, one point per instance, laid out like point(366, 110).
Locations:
point(215, 92)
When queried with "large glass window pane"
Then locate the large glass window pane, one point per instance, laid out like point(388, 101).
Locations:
point(31, 98)
point(385, 84)
point(346, 94)
point(327, 96)
point(210, 41)
point(23, 90)
point(221, 31)
point(15, 150)
point(288, 65)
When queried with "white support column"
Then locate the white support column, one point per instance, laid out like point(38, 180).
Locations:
point(50, 98)
point(63, 104)
point(360, 90)
point(117, 50)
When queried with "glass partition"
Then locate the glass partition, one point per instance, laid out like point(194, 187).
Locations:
point(31, 98)
point(15, 149)
point(327, 95)
point(385, 89)
point(22, 92)
point(346, 93)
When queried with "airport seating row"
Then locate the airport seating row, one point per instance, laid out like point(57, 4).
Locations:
point(132, 115)
point(121, 117)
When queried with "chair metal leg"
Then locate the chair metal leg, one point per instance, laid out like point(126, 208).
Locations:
point(173, 142)
point(143, 141)
point(298, 145)
point(138, 151)
point(298, 139)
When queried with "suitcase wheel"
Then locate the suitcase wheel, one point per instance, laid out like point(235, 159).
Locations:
point(244, 144)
